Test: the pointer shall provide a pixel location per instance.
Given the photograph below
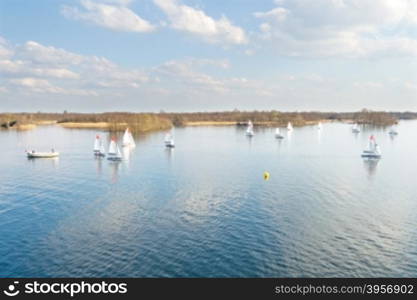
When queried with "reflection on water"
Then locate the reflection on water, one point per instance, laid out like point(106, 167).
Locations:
point(319, 133)
point(114, 166)
point(53, 161)
point(126, 153)
point(169, 153)
point(370, 166)
point(203, 208)
point(99, 161)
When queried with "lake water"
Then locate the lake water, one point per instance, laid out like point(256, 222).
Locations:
point(203, 209)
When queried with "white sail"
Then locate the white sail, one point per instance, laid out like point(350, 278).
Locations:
point(128, 139)
point(249, 129)
point(371, 145)
point(114, 153)
point(167, 137)
point(319, 126)
point(289, 126)
point(355, 128)
point(118, 153)
point(277, 132)
point(393, 131)
point(377, 149)
point(373, 151)
point(169, 140)
point(102, 150)
point(97, 143)
point(112, 148)
point(132, 140)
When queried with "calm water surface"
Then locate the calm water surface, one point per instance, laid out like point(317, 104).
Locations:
point(204, 210)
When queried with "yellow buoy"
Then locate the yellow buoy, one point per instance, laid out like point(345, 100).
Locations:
point(266, 176)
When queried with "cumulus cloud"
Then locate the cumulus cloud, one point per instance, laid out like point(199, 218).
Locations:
point(24, 68)
point(38, 68)
point(348, 28)
point(190, 76)
point(43, 86)
point(5, 49)
point(48, 55)
point(114, 15)
point(197, 22)
point(186, 74)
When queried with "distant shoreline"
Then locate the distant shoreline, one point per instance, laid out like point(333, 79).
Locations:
point(146, 122)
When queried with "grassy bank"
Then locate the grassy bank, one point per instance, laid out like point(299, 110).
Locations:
point(140, 122)
point(144, 122)
point(276, 118)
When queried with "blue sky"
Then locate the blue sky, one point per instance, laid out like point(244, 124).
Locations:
point(200, 55)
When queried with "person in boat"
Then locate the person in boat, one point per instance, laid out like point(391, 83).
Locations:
point(33, 151)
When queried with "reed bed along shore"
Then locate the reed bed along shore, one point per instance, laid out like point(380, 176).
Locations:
point(145, 122)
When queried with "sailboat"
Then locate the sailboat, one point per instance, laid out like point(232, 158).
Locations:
point(249, 130)
point(355, 128)
point(98, 147)
point(289, 126)
point(114, 153)
point(393, 131)
point(278, 134)
point(373, 151)
point(319, 126)
point(128, 140)
point(102, 151)
point(34, 154)
point(169, 141)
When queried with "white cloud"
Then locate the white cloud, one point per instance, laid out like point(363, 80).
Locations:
point(348, 28)
point(23, 68)
point(185, 74)
point(196, 22)
point(45, 87)
point(115, 15)
point(5, 49)
point(190, 76)
point(34, 67)
point(48, 55)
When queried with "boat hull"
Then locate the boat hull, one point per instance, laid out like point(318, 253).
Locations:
point(369, 154)
point(114, 158)
point(43, 155)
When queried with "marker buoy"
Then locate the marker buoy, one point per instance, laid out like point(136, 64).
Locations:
point(266, 176)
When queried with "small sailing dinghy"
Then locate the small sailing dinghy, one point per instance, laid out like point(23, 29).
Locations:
point(355, 128)
point(128, 140)
point(393, 131)
point(34, 154)
point(114, 153)
point(169, 140)
point(373, 151)
point(289, 126)
point(278, 134)
point(319, 126)
point(249, 130)
point(98, 147)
